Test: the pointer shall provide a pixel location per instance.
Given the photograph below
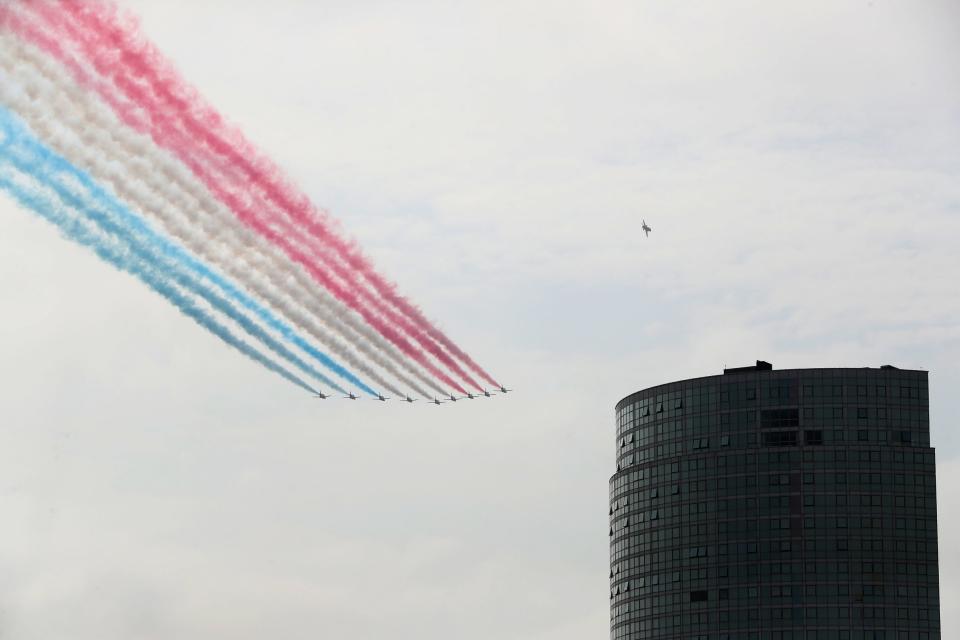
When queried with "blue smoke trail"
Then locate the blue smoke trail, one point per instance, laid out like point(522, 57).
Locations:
point(51, 211)
point(42, 162)
point(120, 256)
point(171, 271)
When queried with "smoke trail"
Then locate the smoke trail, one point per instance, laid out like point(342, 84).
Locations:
point(53, 212)
point(96, 46)
point(30, 157)
point(218, 302)
point(165, 136)
point(169, 182)
point(149, 63)
point(79, 155)
point(132, 150)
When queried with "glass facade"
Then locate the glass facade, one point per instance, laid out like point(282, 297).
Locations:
point(776, 505)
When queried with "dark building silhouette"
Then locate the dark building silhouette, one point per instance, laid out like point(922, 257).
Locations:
point(776, 505)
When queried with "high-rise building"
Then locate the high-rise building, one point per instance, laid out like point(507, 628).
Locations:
point(776, 505)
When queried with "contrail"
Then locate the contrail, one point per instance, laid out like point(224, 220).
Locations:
point(259, 181)
point(176, 190)
point(54, 212)
point(29, 156)
point(166, 135)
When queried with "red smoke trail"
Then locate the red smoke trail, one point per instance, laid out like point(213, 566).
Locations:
point(301, 210)
point(148, 64)
point(166, 135)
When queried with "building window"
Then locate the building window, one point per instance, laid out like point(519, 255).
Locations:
point(813, 437)
point(861, 413)
point(780, 438)
point(863, 435)
point(774, 418)
point(697, 596)
point(779, 479)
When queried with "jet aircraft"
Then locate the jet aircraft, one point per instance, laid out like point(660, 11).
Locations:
point(470, 395)
point(453, 398)
point(321, 395)
point(487, 393)
point(437, 402)
point(382, 398)
point(504, 389)
point(409, 399)
point(351, 396)
point(646, 229)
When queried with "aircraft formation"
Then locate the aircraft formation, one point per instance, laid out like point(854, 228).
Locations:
point(437, 401)
point(101, 137)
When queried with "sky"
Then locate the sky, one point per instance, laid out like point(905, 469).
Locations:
point(798, 164)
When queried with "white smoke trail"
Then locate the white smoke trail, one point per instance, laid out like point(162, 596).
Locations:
point(133, 191)
point(154, 173)
point(41, 182)
point(127, 86)
point(41, 200)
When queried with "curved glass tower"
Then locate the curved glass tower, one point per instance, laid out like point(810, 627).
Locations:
point(776, 505)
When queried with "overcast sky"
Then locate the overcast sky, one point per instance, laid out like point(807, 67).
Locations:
point(799, 165)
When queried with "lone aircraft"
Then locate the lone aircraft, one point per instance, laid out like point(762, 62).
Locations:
point(646, 228)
